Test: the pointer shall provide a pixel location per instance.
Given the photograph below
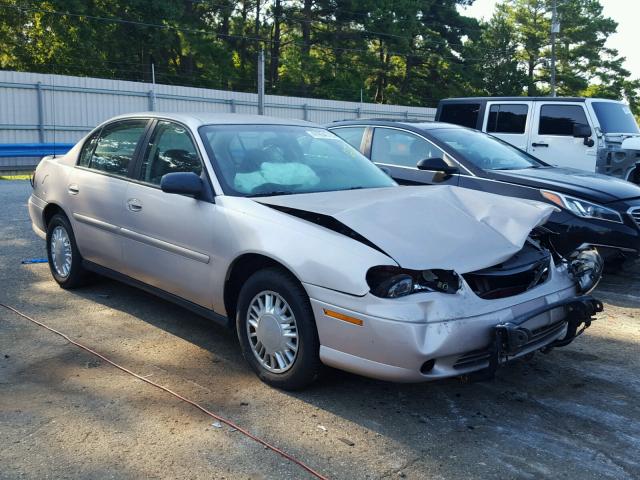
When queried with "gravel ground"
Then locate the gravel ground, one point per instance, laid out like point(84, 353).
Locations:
point(64, 414)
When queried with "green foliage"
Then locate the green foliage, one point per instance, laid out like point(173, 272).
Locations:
point(390, 51)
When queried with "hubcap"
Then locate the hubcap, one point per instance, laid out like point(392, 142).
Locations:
point(60, 246)
point(272, 331)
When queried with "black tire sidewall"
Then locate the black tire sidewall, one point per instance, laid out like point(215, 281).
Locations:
point(77, 274)
point(307, 365)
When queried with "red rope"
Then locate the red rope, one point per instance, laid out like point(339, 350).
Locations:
point(177, 395)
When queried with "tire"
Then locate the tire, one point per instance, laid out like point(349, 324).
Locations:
point(76, 275)
point(276, 329)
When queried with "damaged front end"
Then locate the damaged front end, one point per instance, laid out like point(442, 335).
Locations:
point(523, 271)
point(619, 156)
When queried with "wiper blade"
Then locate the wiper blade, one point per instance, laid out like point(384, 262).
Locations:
point(272, 193)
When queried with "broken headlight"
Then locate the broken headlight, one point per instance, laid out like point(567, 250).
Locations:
point(394, 282)
point(582, 208)
point(585, 266)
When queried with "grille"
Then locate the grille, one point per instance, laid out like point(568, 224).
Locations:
point(635, 214)
point(481, 357)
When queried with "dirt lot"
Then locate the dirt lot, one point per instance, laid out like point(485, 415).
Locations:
point(63, 414)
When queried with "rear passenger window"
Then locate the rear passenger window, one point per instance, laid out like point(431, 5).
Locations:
point(170, 150)
point(84, 159)
point(507, 118)
point(560, 119)
point(116, 147)
point(465, 114)
point(351, 135)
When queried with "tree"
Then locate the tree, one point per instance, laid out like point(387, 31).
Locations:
point(494, 67)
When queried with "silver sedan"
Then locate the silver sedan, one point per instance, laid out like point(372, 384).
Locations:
point(283, 231)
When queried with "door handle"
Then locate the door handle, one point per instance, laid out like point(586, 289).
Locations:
point(134, 205)
point(73, 189)
point(539, 144)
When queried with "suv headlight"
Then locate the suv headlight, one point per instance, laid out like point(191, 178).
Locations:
point(394, 282)
point(582, 208)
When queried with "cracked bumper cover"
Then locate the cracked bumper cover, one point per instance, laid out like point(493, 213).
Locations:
point(397, 338)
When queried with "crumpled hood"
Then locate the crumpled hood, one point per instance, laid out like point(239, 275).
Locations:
point(426, 227)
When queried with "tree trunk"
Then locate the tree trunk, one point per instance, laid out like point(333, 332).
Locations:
point(275, 44)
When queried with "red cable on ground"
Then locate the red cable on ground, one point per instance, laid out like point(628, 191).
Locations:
point(177, 395)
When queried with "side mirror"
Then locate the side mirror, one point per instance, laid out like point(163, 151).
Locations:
point(580, 130)
point(183, 183)
point(436, 165)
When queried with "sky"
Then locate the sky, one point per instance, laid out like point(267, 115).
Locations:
point(625, 40)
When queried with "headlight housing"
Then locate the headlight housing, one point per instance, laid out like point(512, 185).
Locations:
point(582, 208)
point(394, 282)
point(585, 266)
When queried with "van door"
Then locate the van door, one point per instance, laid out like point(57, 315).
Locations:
point(509, 121)
point(552, 139)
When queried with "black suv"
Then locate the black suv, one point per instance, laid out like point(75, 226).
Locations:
point(593, 209)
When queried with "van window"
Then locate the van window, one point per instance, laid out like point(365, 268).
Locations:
point(351, 135)
point(507, 118)
point(465, 114)
point(560, 119)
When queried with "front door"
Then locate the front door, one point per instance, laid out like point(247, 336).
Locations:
point(168, 238)
point(399, 151)
point(96, 190)
point(552, 139)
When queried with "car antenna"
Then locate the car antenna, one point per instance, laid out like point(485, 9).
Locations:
point(53, 107)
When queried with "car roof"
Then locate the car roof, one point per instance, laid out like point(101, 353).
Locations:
point(197, 119)
point(410, 124)
point(525, 99)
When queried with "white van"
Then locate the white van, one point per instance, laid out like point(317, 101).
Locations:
point(592, 134)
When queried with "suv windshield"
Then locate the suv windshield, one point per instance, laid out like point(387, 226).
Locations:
point(261, 160)
point(615, 117)
point(483, 150)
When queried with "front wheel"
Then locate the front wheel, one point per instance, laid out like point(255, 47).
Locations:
point(277, 331)
point(65, 261)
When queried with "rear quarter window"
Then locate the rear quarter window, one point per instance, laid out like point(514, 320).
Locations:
point(465, 114)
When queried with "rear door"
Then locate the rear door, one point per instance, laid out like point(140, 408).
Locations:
point(353, 135)
point(398, 151)
point(509, 121)
point(552, 139)
point(168, 238)
point(96, 190)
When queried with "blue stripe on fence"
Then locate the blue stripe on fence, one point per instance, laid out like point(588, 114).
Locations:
point(10, 150)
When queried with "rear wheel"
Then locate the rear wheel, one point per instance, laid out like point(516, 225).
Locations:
point(277, 331)
point(65, 261)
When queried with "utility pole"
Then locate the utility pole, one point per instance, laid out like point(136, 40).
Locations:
point(261, 82)
point(555, 29)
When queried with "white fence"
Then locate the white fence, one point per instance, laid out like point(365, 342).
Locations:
point(43, 108)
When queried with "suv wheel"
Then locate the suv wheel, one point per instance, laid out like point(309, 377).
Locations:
point(277, 331)
point(65, 261)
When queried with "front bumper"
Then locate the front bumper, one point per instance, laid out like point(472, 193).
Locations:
point(390, 344)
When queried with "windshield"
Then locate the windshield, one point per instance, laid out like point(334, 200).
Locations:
point(482, 150)
point(261, 160)
point(615, 117)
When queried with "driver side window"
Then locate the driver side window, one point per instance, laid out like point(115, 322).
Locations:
point(170, 150)
point(398, 147)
